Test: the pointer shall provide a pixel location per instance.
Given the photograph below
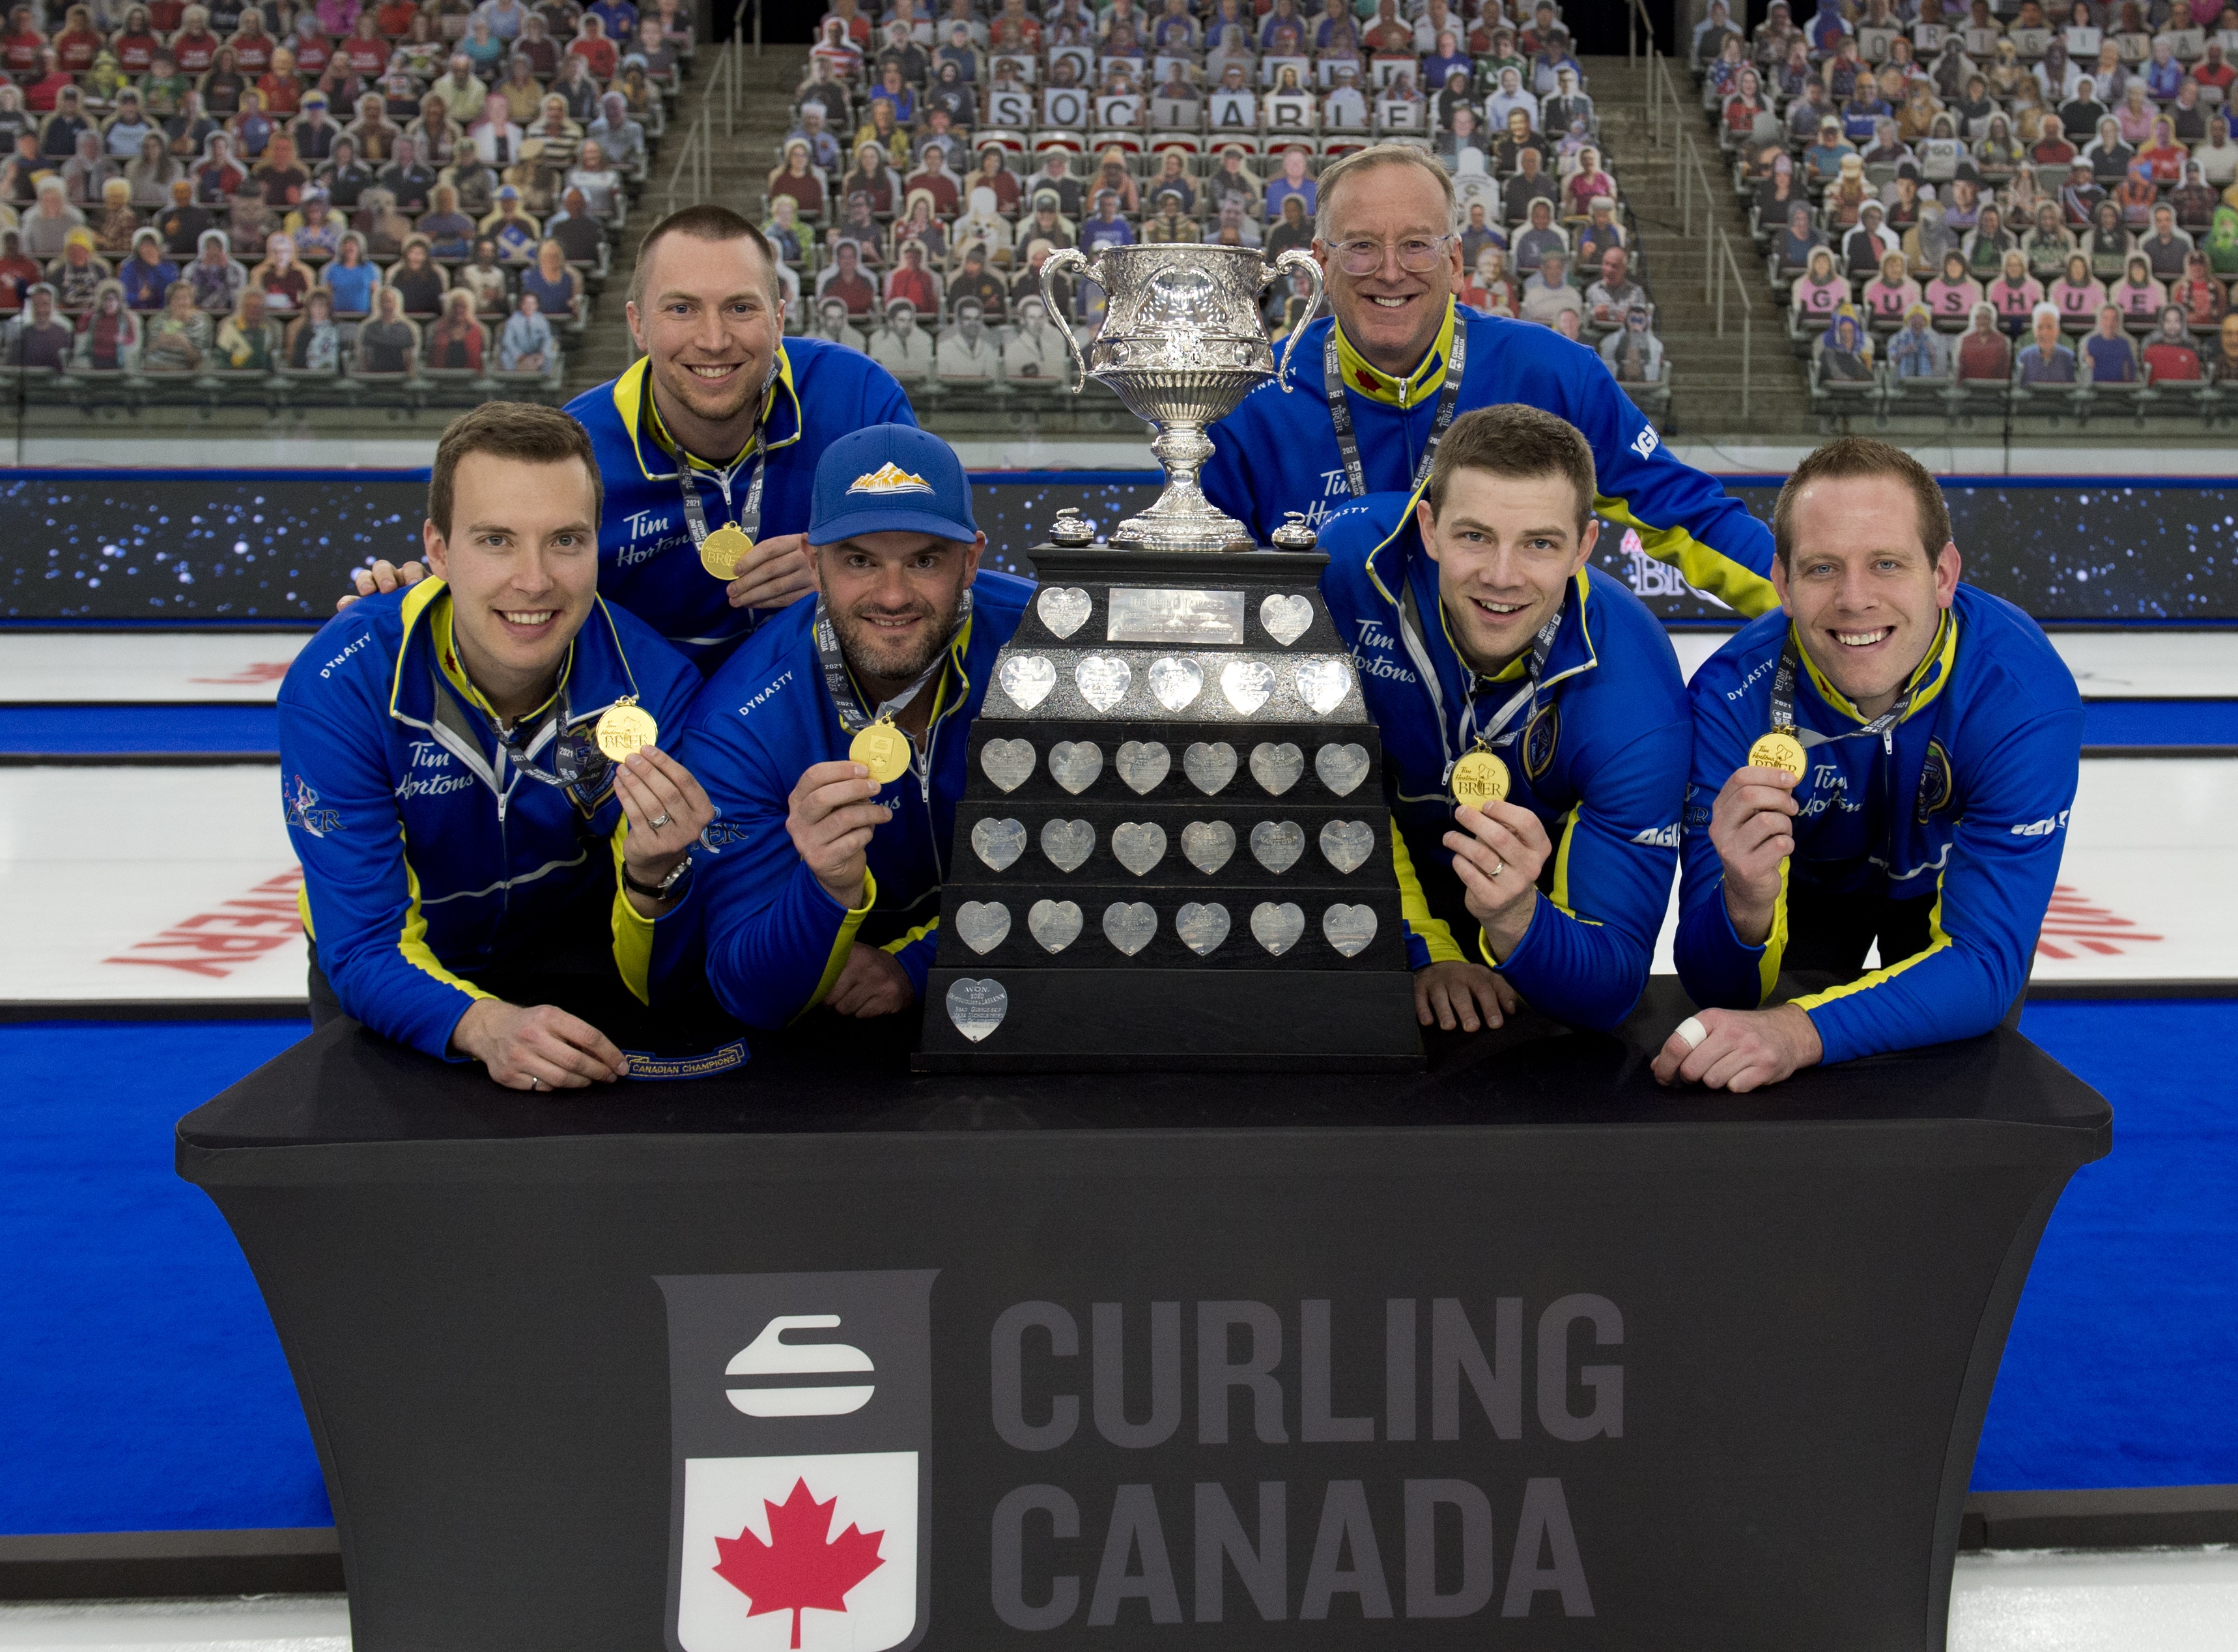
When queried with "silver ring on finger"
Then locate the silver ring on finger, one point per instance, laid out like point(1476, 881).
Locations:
point(657, 821)
point(1498, 866)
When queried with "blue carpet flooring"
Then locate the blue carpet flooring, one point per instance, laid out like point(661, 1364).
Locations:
point(142, 1387)
point(115, 731)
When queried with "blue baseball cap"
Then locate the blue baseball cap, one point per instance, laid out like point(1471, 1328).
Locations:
point(890, 478)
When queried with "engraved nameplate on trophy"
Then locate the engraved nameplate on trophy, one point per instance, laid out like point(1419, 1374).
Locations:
point(1143, 614)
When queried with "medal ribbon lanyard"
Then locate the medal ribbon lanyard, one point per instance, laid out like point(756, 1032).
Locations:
point(1497, 731)
point(1347, 445)
point(841, 685)
point(1783, 701)
point(749, 515)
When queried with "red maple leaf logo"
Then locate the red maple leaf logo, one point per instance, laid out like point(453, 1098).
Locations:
point(1367, 380)
point(802, 1565)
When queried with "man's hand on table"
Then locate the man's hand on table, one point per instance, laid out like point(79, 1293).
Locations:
point(1457, 993)
point(1744, 1050)
point(383, 575)
point(872, 982)
point(537, 1047)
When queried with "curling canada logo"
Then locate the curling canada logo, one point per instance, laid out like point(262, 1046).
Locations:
point(798, 1522)
point(889, 478)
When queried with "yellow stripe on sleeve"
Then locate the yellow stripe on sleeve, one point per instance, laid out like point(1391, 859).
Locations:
point(1707, 569)
point(843, 943)
point(1775, 943)
point(633, 930)
point(1415, 907)
point(413, 941)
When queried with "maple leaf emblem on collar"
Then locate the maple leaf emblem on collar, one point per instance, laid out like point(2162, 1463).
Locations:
point(802, 1567)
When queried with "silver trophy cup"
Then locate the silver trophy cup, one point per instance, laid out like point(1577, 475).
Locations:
point(1180, 344)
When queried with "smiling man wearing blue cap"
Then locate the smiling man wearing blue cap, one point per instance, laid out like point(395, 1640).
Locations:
point(821, 883)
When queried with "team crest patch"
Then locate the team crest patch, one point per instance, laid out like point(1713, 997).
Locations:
point(1539, 740)
point(304, 810)
point(586, 772)
point(801, 1411)
point(1935, 784)
point(889, 478)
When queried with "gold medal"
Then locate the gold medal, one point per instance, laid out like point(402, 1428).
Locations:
point(883, 750)
point(1779, 750)
point(1480, 778)
point(625, 729)
point(722, 551)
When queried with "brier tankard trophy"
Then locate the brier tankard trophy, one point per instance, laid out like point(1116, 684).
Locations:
point(1180, 344)
point(1174, 850)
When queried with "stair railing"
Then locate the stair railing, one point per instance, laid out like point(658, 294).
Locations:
point(1721, 268)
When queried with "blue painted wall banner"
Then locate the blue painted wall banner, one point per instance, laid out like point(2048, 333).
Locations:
point(263, 548)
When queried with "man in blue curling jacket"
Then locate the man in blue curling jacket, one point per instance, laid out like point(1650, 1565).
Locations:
point(462, 835)
point(1940, 738)
point(1392, 342)
point(724, 413)
point(1480, 625)
point(821, 885)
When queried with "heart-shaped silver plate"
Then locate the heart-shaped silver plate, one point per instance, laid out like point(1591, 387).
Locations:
point(1055, 924)
point(1209, 767)
point(1276, 844)
point(1027, 679)
point(1346, 844)
point(1129, 924)
point(1287, 618)
point(1208, 845)
point(982, 924)
point(1341, 767)
point(1074, 764)
point(1277, 768)
point(1063, 609)
point(1009, 763)
point(1202, 928)
point(1277, 928)
point(1349, 929)
point(1248, 684)
point(1103, 678)
point(1323, 683)
point(1066, 844)
point(1144, 764)
point(1175, 681)
point(976, 1008)
point(998, 843)
point(1138, 846)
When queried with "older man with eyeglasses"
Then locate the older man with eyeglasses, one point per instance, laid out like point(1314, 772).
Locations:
point(1378, 381)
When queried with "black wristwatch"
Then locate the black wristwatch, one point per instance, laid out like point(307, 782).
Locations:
point(669, 888)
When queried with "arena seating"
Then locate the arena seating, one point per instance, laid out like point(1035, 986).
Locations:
point(933, 162)
point(1992, 217)
point(406, 204)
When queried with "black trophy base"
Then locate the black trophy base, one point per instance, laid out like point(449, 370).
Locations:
point(1167, 1020)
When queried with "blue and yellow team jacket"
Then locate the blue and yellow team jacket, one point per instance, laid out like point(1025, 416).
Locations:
point(1278, 453)
point(433, 848)
point(775, 939)
point(1966, 799)
point(646, 560)
point(1602, 763)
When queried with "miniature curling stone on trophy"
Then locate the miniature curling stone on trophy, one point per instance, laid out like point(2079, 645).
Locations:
point(1173, 851)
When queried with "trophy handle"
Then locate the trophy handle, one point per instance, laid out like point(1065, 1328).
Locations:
point(1070, 258)
point(1296, 258)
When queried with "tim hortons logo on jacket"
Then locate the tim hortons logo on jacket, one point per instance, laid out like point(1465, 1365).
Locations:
point(801, 1411)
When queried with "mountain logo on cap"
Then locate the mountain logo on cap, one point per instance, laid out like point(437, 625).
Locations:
point(889, 478)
